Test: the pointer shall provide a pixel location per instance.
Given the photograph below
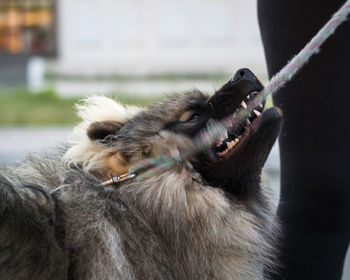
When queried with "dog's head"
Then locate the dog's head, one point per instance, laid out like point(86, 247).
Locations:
point(116, 140)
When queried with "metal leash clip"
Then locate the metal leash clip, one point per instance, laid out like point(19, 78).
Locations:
point(118, 179)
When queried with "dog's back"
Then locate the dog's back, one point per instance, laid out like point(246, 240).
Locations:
point(32, 244)
point(85, 232)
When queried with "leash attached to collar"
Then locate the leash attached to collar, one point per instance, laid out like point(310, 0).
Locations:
point(148, 167)
point(118, 179)
point(114, 180)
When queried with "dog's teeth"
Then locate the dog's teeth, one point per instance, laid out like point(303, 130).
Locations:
point(224, 152)
point(243, 105)
point(248, 122)
point(260, 106)
point(236, 140)
point(230, 145)
point(257, 113)
point(223, 137)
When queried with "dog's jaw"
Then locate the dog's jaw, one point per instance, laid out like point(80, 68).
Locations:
point(245, 161)
point(238, 132)
point(241, 156)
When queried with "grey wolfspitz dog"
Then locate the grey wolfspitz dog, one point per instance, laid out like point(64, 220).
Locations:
point(207, 218)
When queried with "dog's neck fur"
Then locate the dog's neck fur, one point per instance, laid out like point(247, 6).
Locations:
point(188, 217)
point(192, 231)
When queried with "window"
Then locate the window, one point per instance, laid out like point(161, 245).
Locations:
point(27, 27)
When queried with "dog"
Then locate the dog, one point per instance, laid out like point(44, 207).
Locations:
point(205, 218)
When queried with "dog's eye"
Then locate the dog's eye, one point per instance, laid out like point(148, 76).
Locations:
point(189, 116)
point(193, 117)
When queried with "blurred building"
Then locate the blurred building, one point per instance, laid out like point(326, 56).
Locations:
point(157, 36)
point(130, 37)
point(27, 28)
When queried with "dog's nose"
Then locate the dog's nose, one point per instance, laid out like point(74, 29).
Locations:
point(244, 74)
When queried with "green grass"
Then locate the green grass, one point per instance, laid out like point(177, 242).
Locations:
point(46, 108)
point(23, 108)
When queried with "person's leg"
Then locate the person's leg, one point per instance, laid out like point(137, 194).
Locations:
point(315, 138)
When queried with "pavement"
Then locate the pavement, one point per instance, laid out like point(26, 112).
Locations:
point(15, 143)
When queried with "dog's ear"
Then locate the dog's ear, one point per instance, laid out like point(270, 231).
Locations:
point(100, 130)
point(115, 161)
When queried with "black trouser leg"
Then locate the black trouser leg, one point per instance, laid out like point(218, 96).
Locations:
point(315, 138)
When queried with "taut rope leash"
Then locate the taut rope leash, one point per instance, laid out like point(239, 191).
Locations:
point(296, 63)
point(148, 167)
point(216, 129)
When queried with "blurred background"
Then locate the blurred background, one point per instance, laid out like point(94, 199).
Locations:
point(55, 52)
point(79, 47)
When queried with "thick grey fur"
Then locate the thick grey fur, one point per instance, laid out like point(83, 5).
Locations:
point(173, 226)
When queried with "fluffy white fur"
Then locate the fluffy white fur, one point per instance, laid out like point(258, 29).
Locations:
point(84, 152)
